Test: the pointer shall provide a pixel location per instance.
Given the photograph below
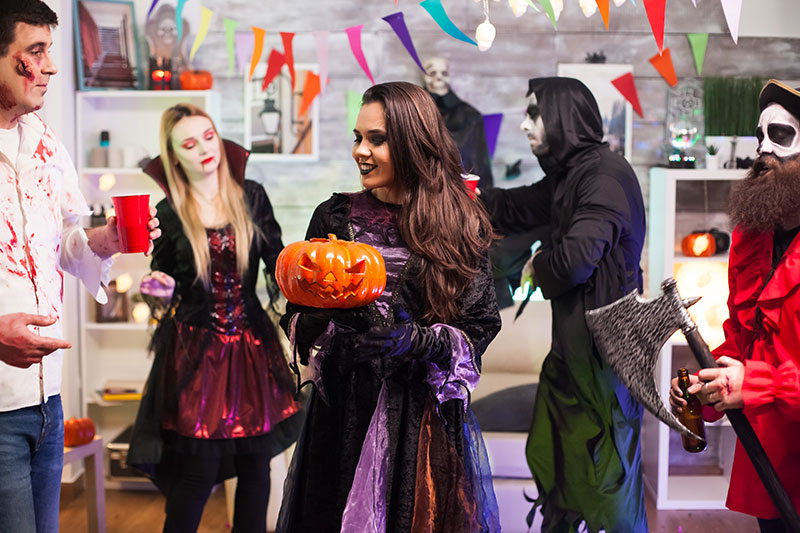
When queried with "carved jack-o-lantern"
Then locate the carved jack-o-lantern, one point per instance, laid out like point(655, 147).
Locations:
point(698, 244)
point(330, 273)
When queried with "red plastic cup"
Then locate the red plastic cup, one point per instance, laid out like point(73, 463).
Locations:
point(471, 181)
point(133, 213)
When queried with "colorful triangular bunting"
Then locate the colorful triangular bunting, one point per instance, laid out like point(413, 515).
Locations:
point(398, 24)
point(663, 64)
point(321, 42)
point(179, 19)
point(627, 88)
point(258, 47)
point(655, 14)
point(244, 46)
point(205, 19)
point(603, 6)
point(491, 125)
point(732, 10)
point(436, 10)
point(287, 37)
point(354, 36)
point(548, 8)
point(698, 42)
point(230, 37)
point(310, 91)
point(275, 63)
point(353, 107)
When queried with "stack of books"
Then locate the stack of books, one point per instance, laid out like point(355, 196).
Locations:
point(118, 390)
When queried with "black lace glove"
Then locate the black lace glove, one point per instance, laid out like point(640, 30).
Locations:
point(312, 322)
point(404, 339)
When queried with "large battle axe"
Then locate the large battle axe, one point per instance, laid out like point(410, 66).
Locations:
point(629, 334)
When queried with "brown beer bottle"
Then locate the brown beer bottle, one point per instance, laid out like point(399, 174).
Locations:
point(691, 416)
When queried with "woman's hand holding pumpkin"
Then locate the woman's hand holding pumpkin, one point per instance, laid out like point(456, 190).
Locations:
point(403, 339)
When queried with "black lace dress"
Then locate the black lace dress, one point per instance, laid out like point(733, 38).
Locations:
point(390, 445)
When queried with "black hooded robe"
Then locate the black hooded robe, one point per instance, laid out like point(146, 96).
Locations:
point(583, 447)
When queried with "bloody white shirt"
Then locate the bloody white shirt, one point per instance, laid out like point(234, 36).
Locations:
point(40, 238)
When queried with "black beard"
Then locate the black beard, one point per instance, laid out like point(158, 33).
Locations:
point(768, 196)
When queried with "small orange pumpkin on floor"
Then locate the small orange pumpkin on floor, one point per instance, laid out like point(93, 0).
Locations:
point(330, 273)
point(78, 431)
point(698, 245)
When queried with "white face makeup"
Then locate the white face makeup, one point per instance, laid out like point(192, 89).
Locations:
point(778, 132)
point(437, 77)
point(197, 147)
point(533, 126)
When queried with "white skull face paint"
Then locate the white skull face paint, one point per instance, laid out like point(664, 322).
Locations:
point(778, 132)
point(533, 126)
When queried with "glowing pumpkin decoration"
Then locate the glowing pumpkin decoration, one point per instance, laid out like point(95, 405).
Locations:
point(78, 431)
point(330, 273)
point(698, 245)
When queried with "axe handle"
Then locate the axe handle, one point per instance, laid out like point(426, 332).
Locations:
point(741, 425)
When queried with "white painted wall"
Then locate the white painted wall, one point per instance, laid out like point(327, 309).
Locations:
point(770, 18)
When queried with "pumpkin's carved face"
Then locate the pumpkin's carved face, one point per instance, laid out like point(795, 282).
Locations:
point(330, 273)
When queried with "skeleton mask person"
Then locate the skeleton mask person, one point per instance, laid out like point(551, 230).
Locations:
point(437, 75)
point(769, 196)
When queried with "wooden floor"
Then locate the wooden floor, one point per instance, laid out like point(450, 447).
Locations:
point(143, 512)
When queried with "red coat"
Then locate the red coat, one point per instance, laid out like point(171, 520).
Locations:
point(771, 387)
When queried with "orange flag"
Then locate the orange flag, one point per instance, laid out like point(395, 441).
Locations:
point(602, 5)
point(258, 46)
point(663, 64)
point(310, 91)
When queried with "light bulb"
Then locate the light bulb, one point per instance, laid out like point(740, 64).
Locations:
point(124, 282)
point(589, 7)
point(484, 34)
point(106, 182)
point(140, 312)
point(558, 7)
point(518, 7)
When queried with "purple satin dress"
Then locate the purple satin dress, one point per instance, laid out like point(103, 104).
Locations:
point(233, 377)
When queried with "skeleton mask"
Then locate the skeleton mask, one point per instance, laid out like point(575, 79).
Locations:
point(437, 77)
point(533, 126)
point(778, 132)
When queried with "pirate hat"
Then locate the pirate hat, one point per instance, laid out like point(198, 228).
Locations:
point(779, 93)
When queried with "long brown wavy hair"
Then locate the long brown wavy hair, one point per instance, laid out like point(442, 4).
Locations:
point(231, 197)
point(438, 220)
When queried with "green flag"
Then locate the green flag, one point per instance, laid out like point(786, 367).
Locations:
point(698, 42)
point(353, 107)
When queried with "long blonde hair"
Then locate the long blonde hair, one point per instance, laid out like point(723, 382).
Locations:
point(231, 196)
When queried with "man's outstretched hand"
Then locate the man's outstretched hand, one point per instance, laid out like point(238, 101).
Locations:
point(19, 346)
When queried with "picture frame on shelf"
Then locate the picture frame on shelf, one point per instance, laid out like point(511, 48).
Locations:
point(615, 110)
point(106, 45)
point(273, 126)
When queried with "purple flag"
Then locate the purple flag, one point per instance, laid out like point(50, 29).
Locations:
point(244, 47)
point(398, 24)
point(152, 7)
point(491, 123)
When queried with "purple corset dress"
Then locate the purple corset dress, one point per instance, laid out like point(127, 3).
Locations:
point(233, 378)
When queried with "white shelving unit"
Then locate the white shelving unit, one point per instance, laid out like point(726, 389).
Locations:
point(118, 350)
point(683, 201)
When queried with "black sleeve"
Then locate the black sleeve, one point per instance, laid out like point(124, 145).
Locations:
point(480, 319)
point(163, 257)
point(477, 160)
point(519, 209)
point(602, 214)
point(264, 221)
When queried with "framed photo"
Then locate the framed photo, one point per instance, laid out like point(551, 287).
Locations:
point(106, 45)
point(615, 110)
point(273, 127)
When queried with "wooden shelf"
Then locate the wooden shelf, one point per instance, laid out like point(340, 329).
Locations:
point(115, 326)
point(103, 170)
point(132, 93)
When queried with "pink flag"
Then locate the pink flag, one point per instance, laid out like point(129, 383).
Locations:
point(354, 35)
point(321, 41)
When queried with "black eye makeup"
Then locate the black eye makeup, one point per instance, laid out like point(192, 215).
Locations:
point(781, 134)
point(533, 111)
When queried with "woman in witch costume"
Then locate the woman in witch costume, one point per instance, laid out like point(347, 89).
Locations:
point(390, 443)
point(219, 399)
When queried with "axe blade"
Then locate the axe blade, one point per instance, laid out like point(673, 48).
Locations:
point(629, 334)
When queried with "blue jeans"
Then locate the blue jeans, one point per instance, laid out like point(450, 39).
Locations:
point(31, 458)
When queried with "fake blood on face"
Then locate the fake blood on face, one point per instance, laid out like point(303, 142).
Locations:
point(24, 68)
point(7, 101)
